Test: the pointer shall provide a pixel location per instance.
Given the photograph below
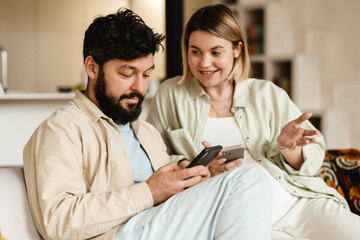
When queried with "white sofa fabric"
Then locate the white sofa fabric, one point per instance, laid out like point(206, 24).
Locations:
point(15, 217)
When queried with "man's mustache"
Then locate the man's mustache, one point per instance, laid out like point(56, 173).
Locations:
point(132, 95)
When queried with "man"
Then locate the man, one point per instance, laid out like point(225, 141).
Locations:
point(94, 170)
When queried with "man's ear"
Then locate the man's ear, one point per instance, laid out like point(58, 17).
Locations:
point(91, 68)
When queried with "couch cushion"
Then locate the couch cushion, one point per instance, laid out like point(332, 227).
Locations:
point(341, 170)
point(15, 217)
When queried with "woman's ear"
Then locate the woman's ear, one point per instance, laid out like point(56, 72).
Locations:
point(237, 49)
point(91, 68)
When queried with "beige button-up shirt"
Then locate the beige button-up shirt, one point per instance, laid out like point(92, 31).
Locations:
point(78, 173)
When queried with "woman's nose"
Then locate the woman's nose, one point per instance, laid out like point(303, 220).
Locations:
point(205, 61)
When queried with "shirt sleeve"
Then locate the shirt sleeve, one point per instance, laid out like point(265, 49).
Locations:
point(313, 154)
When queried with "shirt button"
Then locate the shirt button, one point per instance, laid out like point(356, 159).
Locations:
point(247, 139)
point(259, 160)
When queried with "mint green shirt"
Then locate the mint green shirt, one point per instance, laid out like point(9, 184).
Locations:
point(261, 109)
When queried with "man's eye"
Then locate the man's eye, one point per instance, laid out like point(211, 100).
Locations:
point(126, 75)
point(216, 53)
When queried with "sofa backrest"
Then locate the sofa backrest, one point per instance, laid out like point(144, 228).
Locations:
point(15, 217)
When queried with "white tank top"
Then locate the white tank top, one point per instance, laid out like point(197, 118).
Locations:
point(226, 132)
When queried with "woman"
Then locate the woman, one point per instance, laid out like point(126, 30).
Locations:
point(214, 101)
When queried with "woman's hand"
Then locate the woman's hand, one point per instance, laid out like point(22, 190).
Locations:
point(217, 167)
point(293, 135)
point(292, 138)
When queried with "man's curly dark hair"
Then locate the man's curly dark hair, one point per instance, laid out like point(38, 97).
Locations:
point(122, 35)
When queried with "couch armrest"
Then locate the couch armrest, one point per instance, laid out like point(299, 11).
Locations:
point(15, 221)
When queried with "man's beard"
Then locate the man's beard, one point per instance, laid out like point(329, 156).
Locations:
point(112, 107)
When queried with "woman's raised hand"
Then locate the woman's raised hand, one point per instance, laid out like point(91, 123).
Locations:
point(293, 135)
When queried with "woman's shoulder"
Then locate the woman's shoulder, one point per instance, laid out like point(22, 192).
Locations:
point(171, 85)
point(256, 82)
point(261, 85)
point(170, 82)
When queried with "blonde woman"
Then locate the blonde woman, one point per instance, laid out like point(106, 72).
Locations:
point(215, 101)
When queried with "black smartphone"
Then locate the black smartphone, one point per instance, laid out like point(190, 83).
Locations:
point(205, 156)
point(233, 152)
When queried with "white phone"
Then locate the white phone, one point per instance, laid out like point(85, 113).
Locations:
point(233, 152)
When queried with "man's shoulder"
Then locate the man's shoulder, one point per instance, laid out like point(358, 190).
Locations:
point(65, 117)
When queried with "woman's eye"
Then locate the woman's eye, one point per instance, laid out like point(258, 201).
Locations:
point(194, 52)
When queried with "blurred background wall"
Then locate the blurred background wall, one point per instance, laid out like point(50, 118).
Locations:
point(44, 43)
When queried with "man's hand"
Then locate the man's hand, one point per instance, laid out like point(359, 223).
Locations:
point(170, 180)
point(205, 173)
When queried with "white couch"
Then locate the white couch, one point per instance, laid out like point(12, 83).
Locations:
point(15, 217)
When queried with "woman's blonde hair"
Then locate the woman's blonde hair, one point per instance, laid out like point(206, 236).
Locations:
point(222, 22)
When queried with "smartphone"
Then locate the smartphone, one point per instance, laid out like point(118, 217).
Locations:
point(233, 152)
point(205, 156)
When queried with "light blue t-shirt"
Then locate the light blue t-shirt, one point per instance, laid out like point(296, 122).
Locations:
point(140, 163)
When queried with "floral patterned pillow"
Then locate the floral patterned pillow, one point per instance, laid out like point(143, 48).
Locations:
point(341, 170)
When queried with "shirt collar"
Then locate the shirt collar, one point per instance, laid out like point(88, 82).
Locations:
point(88, 107)
point(94, 113)
point(241, 94)
point(194, 88)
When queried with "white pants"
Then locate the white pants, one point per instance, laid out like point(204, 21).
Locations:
point(232, 205)
point(319, 219)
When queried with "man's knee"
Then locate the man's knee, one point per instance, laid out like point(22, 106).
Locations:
point(254, 178)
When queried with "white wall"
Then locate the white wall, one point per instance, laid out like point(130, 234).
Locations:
point(19, 117)
point(44, 38)
point(191, 6)
point(329, 29)
point(155, 18)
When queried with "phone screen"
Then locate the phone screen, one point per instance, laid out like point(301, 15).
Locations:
point(205, 156)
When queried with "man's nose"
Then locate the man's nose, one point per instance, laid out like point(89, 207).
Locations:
point(140, 84)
